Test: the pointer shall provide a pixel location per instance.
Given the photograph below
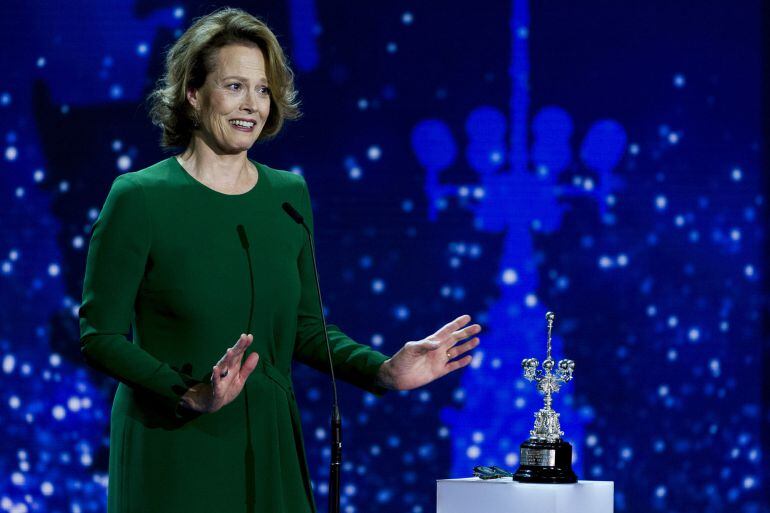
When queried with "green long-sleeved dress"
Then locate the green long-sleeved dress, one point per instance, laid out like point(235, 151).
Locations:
point(166, 259)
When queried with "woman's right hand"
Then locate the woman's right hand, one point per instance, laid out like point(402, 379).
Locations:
point(210, 397)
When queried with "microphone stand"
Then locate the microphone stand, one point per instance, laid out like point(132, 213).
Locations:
point(335, 465)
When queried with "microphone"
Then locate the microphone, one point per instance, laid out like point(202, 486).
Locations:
point(335, 464)
point(245, 244)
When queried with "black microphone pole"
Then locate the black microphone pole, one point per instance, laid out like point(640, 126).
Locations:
point(335, 464)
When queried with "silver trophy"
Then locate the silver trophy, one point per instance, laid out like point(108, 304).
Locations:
point(545, 457)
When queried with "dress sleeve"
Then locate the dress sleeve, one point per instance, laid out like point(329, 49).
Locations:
point(117, 254)
point(355, 363)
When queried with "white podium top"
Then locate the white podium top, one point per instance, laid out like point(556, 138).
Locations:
point(474, 495)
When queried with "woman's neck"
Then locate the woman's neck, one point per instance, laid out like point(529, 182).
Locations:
point(229, 172)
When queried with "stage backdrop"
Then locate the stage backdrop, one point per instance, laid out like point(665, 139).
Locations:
point(598, 159)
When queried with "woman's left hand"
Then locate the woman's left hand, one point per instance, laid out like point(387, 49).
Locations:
point(418, 363)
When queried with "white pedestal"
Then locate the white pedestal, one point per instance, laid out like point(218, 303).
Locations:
point(473, 495)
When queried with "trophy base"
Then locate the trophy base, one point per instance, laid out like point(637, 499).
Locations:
point(545, 462)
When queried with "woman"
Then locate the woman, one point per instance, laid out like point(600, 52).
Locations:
point(194, 250)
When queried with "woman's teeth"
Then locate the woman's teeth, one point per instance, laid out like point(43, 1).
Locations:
point(238, 122)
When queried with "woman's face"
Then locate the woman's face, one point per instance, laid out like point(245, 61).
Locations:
point(234, 101)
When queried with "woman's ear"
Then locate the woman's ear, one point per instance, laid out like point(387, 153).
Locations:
point(192, 97)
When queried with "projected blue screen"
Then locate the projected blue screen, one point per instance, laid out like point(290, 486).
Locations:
point(504, 159)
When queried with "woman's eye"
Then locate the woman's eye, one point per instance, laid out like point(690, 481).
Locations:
point(264, 90)
point(234, 86)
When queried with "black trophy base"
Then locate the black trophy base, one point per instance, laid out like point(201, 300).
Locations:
point(545, 462)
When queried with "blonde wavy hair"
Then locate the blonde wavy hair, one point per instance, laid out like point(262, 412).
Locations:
point(193, 56)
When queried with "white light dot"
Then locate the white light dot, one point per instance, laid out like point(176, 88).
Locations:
point(660, 492)
point(673, 321)
point(117, 144)
point(735, 234)
point(661, 202)
point(622, 260)
point(478, 192)
point(378, 286)
point(374, 153)
point(605, 262)
point(693, 334)
point(478, 437)
point(363, 103)
point(591, 440)
point(673, 137)
point(124, 162)
point(392, 47)
point(663, 390)
point(511, 459)
point(748, 482)
point(38, 175)
point(679, 81)
point(46, 488)
point(9, 362)
point(510, 276)
point(86, 459)
point(142, 48)
point(73, 403)
point(320, 433)
point(20, 192)
point(54, 360)
point(14, 402)
point(40, 62)
point(77, 242)
point(715, 367)
point(633, 149)
point(17, 478)
point(178, 12)
point(53, 270)
point(64, 186)
point(11, 153)
point(58, 412)
point(520, 402)
point(5, 99)
point(679, 220)
point(626, 453)
point(748, 270)
point(354, 173)
point(736, 174)
point(530, 300)
point(407, 18)
point(473, 452)
point(377, 340)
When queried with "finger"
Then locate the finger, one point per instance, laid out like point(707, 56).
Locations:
point(464, 333)
point(458, 364)
point(451, 327)
point(215, 378)
point(424, 346)
point(234, 354)
point(456, 351)
point(249, 365)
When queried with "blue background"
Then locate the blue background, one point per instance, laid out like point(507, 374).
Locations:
point(598, 159)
